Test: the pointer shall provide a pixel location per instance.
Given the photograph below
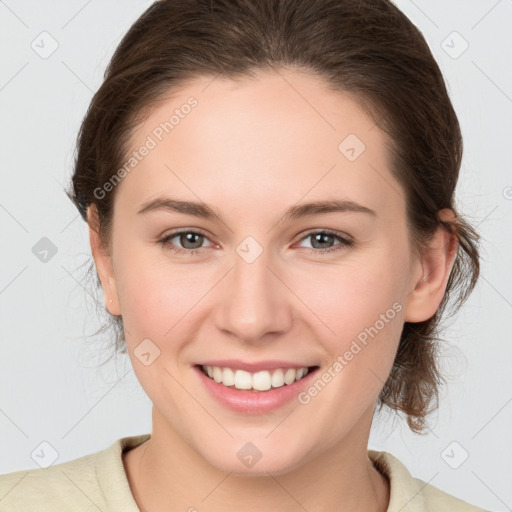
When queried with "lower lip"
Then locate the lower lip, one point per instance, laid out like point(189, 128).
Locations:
point(255, 402)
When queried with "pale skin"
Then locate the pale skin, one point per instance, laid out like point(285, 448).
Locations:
point(251, 150)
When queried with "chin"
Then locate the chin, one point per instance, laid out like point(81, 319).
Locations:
point(246, 459)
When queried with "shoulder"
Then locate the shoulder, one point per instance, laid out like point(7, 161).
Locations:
point(96, 481)
point(59, 485)
point(409, 494)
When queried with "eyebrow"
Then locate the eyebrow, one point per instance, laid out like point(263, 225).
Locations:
point(207, 212)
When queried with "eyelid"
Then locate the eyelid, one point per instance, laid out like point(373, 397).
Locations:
point(167, 236)
point(179, 231)
point(326, 231)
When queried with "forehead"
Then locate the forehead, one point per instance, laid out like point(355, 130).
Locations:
point(270, 140)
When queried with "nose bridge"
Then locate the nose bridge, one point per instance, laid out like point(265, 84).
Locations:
point(254, 302)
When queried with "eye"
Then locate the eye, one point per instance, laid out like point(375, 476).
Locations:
point(324, 237)
point(191, 241)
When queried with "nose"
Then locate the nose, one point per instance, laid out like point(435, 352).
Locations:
point(254, 302)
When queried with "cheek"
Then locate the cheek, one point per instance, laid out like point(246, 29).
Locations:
point(358, 311)
point(361, 322)
point(159, 302)
point(156, 296)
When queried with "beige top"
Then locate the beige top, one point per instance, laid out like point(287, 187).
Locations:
point(98, 482)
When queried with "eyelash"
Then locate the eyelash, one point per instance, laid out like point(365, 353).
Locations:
point(345, 242)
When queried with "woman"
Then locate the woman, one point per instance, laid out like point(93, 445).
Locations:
point(269, 189)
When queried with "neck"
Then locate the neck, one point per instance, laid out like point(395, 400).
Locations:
point(166, 473)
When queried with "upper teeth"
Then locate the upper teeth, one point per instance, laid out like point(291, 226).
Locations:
point(260, 381)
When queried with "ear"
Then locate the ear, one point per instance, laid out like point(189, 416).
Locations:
point(432, 273)
point(103, 261)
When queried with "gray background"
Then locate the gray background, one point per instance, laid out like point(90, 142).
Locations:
point(52, 387)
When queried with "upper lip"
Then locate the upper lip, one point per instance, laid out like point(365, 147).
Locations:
point(255, 366)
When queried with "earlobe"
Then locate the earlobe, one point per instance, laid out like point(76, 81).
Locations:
point(103, 262)
point(434, 271)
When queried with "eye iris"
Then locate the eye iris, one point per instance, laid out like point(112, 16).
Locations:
point(186, 237)
point(322, 237)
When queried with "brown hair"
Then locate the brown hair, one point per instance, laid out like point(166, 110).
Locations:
point(367, 48)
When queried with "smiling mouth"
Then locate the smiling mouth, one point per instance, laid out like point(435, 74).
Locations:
point(258, 381)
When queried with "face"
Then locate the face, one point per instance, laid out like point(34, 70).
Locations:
point(252, 284)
